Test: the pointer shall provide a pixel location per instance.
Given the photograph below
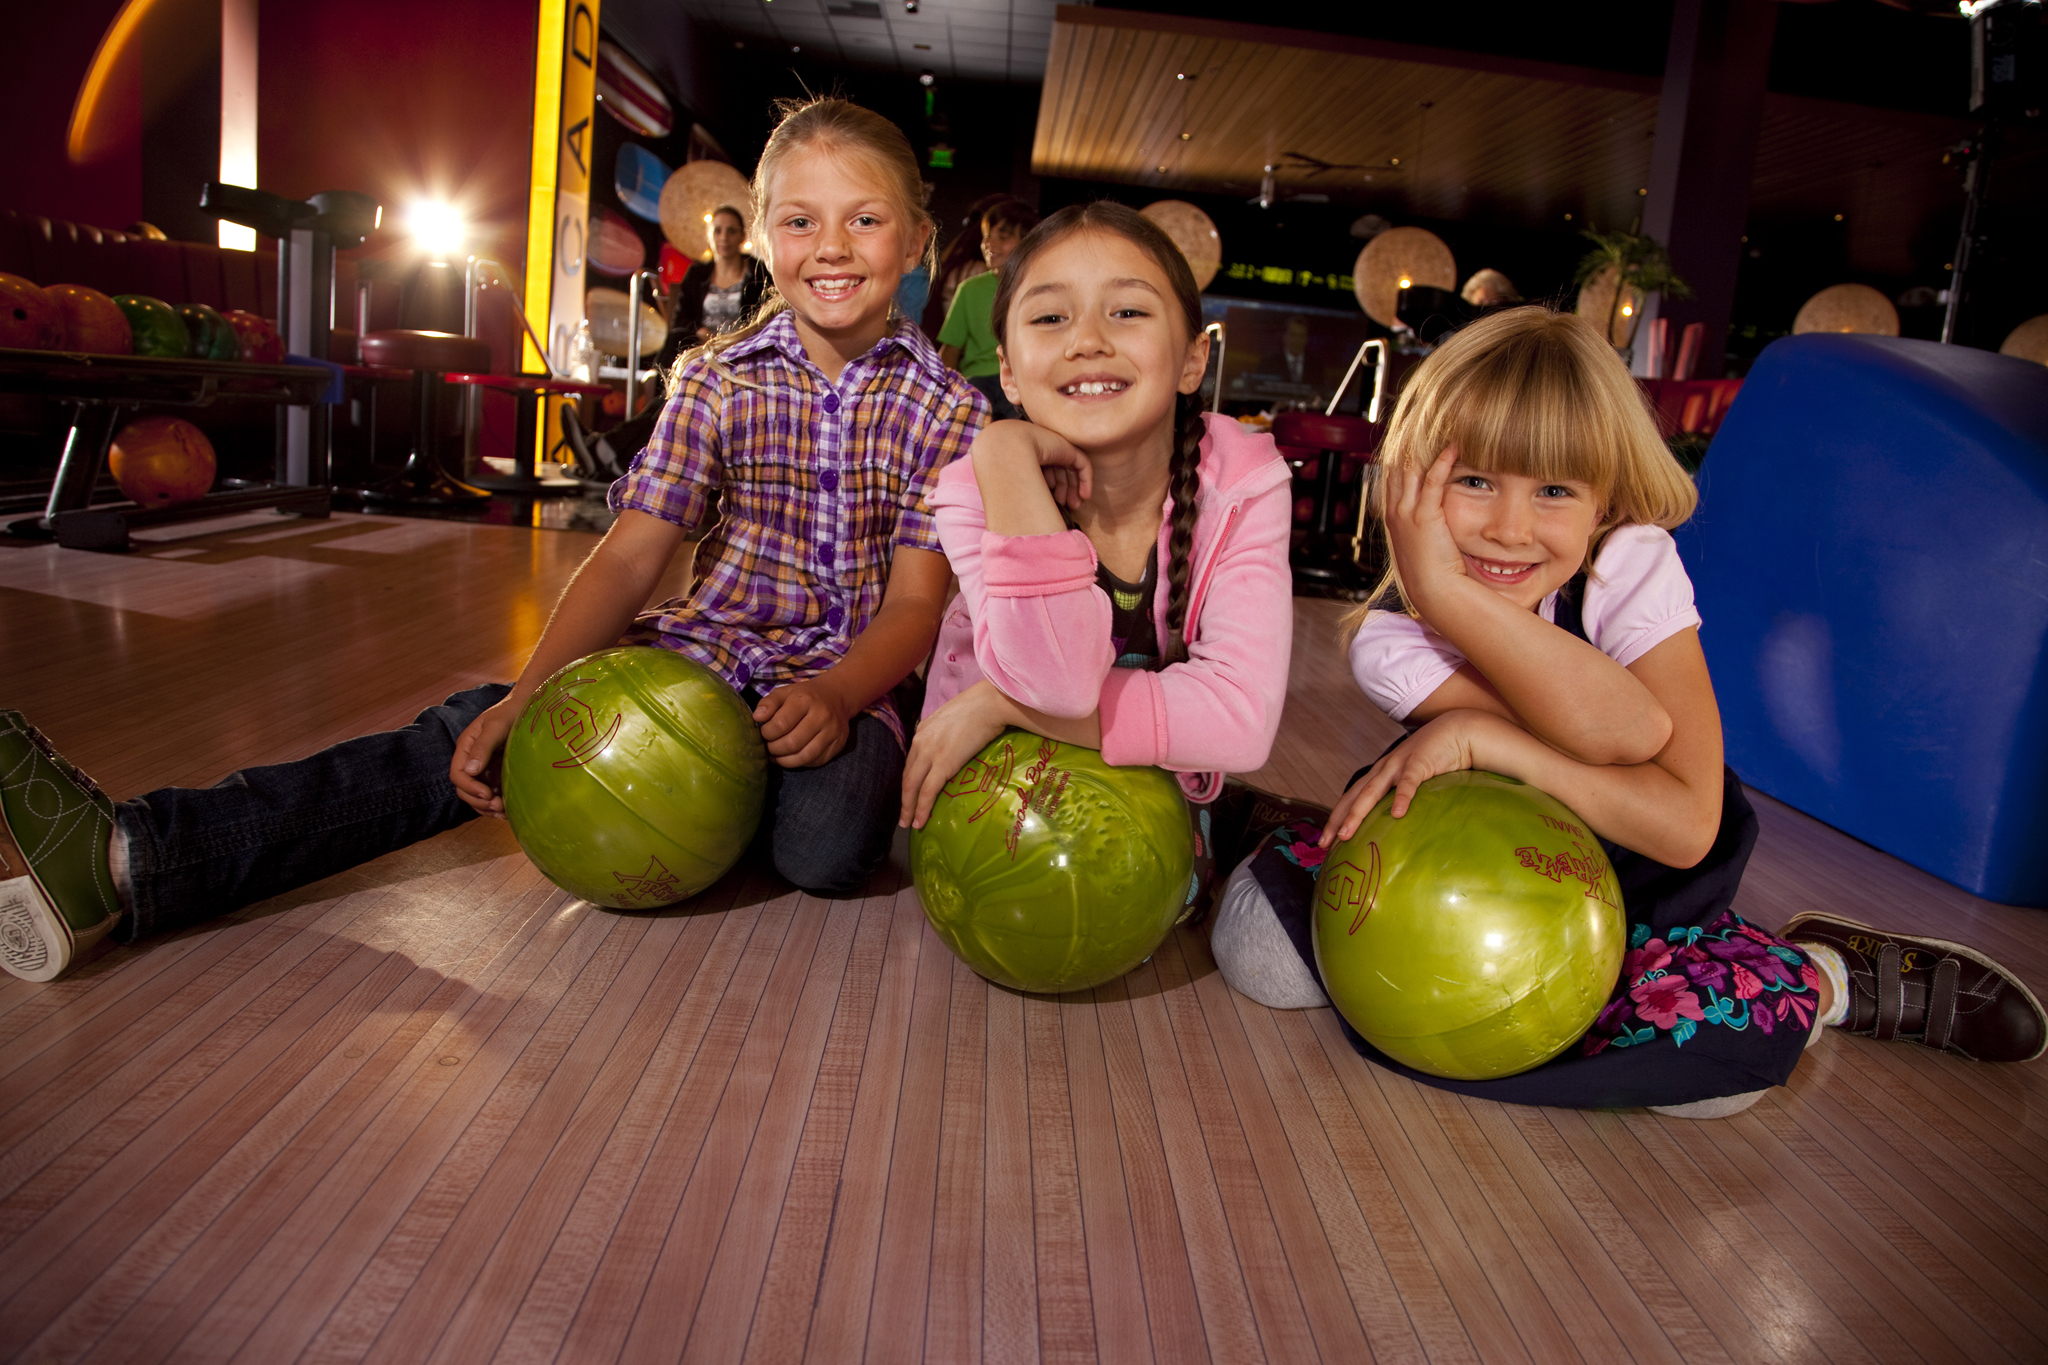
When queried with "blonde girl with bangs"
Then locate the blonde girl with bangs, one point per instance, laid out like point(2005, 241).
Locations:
point(821, 427)
point(1535, 621)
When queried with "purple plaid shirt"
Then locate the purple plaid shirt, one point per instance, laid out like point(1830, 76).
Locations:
point(818, 483)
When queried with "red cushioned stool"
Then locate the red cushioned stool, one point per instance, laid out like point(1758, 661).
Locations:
point(1326, 562)
point(423, 483)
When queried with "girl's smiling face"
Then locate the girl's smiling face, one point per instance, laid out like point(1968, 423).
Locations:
point(1096, 349)
point(1523, 537)
point(837, 245)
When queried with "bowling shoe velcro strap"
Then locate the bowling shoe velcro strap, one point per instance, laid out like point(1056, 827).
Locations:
point(1929, 991)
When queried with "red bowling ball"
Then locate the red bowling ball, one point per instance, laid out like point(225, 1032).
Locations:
point(29, 319)
point(93, 322)
point(160, 461)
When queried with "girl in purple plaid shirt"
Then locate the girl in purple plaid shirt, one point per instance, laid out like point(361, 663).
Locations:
point(821, 427)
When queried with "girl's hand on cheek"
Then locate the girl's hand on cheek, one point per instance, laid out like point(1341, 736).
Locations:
point(1416, 529)
point(1011, 444)
point(1064, 484)
point(803, 724)
point(946, 740)
point(1442, 746)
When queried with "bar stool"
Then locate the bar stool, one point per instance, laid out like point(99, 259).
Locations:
point(526, 477)
point(423, 483)
point(1326, 562)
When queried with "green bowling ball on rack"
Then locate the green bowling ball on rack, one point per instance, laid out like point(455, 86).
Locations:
point(634, 778)
point(1047, 870)
point(155, 327)
point(1475, 937)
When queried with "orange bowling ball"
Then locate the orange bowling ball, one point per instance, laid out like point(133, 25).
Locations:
point(29, 319)
point(93, 322)
point(159, 461)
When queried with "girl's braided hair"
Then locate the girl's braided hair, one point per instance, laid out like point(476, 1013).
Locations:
point(1183, 483)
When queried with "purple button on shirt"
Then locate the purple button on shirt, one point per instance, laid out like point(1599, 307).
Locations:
point(789, 576)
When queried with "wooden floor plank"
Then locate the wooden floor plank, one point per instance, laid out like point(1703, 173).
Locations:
point(524, 1222)
point(898, 1316)
point(764, 1126)
point(609, 1305)
point(1277, 1311)
point(845, 1290)
point(729, 1255)
point(551, 1299)
point(1228, 1329)
point(1067, 1327)
point(954, 1298)
point(1116, 1280)
point(1009, 1257)
point(744, 1163)
point(1370, 1287)
point(305, 1133)
point(176, 1131)
point(278, 1306)
point(1173, 1315)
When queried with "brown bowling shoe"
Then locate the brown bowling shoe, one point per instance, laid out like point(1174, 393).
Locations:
point(1929, 991)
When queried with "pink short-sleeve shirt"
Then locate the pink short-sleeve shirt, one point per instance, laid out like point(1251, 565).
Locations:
point(1637, 597)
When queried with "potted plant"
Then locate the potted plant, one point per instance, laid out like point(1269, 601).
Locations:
point(1614, 278)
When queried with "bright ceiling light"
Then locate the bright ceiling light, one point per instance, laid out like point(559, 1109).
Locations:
point(437, 226)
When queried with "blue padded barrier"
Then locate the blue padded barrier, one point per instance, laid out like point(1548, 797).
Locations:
point(1871, 562)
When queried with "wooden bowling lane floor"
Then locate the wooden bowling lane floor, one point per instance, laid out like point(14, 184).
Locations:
point(433, 1109)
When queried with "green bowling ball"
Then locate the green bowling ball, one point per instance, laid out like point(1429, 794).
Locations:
point(212, 338)
point(156, 326)
point(634, 778)
point(1476, 936)
point(1047, 870)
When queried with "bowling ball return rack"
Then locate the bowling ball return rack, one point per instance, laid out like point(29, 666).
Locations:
point(98, 387)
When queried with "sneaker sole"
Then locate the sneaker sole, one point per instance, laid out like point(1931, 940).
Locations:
point(35, 942)
point(1963, 950)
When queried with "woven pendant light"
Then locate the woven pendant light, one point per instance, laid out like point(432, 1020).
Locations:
point(690, 197)
point(1848, 308)
point(1411, 254)
point(2029, 341)
point(1596, 305)
point(1193, 232)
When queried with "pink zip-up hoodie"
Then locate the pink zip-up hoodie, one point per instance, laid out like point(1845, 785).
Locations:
point(1031, 620)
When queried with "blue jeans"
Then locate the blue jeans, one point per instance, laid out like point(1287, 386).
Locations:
point(198, 852)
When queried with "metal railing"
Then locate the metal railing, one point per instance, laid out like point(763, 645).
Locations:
point(474, 282)
point(1215, 331)
point(1379, 381)
point(633, 337)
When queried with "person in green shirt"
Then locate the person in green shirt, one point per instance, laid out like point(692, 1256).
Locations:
point(967, 341)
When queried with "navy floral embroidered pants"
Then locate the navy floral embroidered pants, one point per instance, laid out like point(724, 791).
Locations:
point(1706, 1004)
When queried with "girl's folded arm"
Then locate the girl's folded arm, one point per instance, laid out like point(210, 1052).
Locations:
point(1668, 808)
point(1217, 710)
point(1554, 685)
point(1041, 626)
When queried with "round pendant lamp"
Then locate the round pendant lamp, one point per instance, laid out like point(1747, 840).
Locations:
point(2029, 341)
point(1596, 305)
point(1193, 232)
point(690, 197)
point(1848, 308)
point(1397, 259)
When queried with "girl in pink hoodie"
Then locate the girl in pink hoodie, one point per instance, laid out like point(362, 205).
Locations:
point(1122, 556)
